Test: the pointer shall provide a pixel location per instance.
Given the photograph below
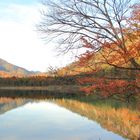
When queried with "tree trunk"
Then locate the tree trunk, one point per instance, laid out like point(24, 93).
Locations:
point(134, 63)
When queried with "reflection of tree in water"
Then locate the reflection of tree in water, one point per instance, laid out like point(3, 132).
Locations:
point(7, 104)
point(121, 120)
point(10, 99)
point(33, 94)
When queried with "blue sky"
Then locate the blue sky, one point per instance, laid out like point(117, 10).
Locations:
point(20, 44)
point(25, 2)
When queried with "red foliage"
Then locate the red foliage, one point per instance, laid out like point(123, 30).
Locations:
point(86, 44)
point(117, 54)
point(105, 86)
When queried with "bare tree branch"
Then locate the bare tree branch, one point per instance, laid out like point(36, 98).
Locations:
point(99, 21)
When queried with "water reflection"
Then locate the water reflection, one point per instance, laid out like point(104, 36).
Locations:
point(123, 121)
point(26, 119)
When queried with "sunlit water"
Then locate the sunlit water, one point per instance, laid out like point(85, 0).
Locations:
point(48, 121)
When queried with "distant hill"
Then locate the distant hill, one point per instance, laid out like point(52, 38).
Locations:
point(7, 70)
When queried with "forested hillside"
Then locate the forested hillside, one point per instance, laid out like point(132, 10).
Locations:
point(8, 70)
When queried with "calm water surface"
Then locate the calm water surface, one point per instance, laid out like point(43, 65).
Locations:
point(45, 120)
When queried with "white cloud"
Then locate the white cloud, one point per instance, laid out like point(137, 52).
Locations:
point(19, 42)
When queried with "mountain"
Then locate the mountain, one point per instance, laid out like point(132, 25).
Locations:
point(7, 70)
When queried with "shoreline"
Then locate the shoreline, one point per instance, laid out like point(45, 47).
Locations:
point(62, 88)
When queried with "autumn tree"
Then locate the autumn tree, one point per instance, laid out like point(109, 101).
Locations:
point(53, 71)
point(109, 29)
point(100, 22)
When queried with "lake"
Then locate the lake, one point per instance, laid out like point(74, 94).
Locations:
point(53, 119)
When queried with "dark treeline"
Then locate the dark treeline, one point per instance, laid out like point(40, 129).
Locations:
point(32, 94)
point(41, 95)
point(37, 81)
point(66, 80)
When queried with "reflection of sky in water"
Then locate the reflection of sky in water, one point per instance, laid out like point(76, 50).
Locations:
point(47, 121)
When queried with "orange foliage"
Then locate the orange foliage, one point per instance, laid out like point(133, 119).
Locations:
point(85, 57)
point(118, 54)
point(122, 51)
point(106, 87)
